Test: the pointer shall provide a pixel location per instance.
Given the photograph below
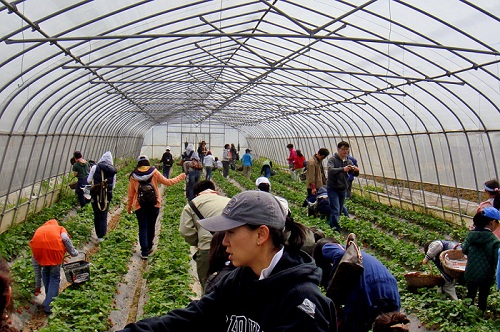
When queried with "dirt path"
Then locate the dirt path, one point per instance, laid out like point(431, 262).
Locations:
point(128, 300)
point(133, 292)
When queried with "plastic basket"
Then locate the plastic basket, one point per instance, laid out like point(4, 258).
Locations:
point(77, 272)
point(419, 279)
point(453, 262)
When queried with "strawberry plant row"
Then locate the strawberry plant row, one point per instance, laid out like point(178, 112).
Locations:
point(13, 241)
point(407, 253)
point(400, 228)
point(227, 187)
point(426, 221)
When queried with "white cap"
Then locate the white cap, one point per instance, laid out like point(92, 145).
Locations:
point(262, 179)
point(143, 157)
point(168, 148)
point(283, 202)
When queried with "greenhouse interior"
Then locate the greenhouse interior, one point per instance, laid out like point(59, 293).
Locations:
point(411, 86)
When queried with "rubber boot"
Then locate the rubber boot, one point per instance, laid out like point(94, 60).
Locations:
point(449, 289)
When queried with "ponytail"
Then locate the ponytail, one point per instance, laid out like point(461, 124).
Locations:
point(292, 236)
point(297, 233)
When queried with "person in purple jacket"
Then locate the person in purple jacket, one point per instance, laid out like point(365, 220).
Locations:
point(374, 294)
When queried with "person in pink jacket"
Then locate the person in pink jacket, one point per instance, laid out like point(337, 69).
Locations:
point(144, 175)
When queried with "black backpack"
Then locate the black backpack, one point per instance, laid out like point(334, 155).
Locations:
point(146, 194)
point(168, 161)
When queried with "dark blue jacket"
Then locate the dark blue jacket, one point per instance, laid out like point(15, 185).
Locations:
point(377, 288)
point(288, 300)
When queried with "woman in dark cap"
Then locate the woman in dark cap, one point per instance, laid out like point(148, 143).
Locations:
point(274, 286)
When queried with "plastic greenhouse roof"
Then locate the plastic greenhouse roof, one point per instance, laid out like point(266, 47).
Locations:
point(348, 67)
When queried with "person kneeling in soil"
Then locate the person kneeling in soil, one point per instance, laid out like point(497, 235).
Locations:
point(48, 245)
point(274, 286)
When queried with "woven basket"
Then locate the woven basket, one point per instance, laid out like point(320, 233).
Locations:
point(453, 262)
point(419, 279)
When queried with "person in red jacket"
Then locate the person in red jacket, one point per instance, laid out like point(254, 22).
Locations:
point(298, 165)
point(48, 246)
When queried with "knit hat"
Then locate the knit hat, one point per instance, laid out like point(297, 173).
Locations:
point(249, 207)
point(143, 157)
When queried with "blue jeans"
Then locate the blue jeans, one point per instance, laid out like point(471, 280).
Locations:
point(208, 169)
point(166, 171)
point(336, 199)
point(146, 217)
point(193, 177)
point(51, 276)
point(345, 212)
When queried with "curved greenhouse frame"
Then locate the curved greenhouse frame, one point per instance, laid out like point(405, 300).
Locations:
point(412, 85)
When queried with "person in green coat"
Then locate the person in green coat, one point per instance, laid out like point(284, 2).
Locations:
point(481, 247)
